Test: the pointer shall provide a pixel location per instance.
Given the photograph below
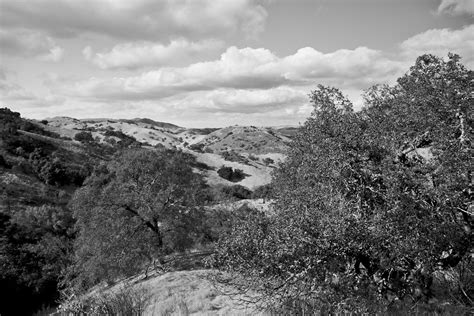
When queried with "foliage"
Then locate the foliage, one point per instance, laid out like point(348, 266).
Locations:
point(199, 147)
point(371, 204)
point(84, 137)
point(35, 245)
point(237, 191)
point(228, 173)
point(11, 122)
point(140, 206)
point(263, 192)
point(268, 161)
point(231, 155)
point(52, 170)
point(126, 141)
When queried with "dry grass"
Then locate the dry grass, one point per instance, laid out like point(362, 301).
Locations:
point(183, 293)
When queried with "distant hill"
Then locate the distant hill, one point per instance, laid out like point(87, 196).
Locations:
point(246, 139)
point(255, 150)
point(43, 163)
point(151, 122)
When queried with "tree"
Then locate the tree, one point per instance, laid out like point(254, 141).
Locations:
point(84, 137)
point(35, 248)
point(370, 204)
point(138, 207)
point(230, 174)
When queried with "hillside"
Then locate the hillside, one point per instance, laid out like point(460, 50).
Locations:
point(42, 164)
point(254, 150)
point(189, 292)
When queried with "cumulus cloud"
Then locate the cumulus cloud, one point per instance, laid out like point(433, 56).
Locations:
point(11, 91)
point(29, 44)
point(140, 19)
point(242, 101)
point(457, 7)
point(247, 68)
point(141, 54)
point(442, 41)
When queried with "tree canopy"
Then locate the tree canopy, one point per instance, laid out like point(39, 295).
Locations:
point(138, 207)
point(369, 204)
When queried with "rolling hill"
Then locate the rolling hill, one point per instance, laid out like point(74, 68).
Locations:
point(254, 150)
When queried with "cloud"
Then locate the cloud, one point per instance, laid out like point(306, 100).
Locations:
point(138, 19)
point(359, 67)
point(247, 68)
point(135, 55)
point(26, 43)
point(456, 7)
point(11, 91)
point(240, 100)
point(441, 41)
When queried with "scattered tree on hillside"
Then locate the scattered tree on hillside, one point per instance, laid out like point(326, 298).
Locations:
point(84, 137)
point(230, 174)
point(369, 204)
point(140, 206)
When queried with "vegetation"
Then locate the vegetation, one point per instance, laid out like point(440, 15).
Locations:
point(230, 174)
point(237, 191)
point(84, 137)
point(34, 249)
point(372, 209)
point(140, 206)
point(371, 206)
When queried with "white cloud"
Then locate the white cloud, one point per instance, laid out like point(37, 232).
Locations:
point(141, 54)
point(359, 67)
point(138, 19)
point(27, 43)
point(243, 101)
point(247, 68)
point(457, 7)
point(10, 91)
point(441, 41)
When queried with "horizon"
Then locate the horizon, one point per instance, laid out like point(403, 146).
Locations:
point(214, 64)
point(141, 118)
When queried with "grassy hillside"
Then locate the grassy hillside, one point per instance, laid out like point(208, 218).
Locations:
point(43, 163)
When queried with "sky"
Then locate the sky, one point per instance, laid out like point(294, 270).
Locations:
point(214, 63)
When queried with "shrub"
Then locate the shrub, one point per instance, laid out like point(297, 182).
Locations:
point(263, 192)
point(230, 174)
point(197, 147)
point(237, 191)
point(84, 137)
point(268, 161)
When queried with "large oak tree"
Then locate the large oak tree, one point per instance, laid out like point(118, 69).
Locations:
point(369, 204)
point(138, 207)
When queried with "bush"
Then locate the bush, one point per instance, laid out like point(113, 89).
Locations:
point(237, 191)
point(268, 161)
point(229, 174)
point(234, 156)
point(197, 147)
point(263, 192)
point(84, 137)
